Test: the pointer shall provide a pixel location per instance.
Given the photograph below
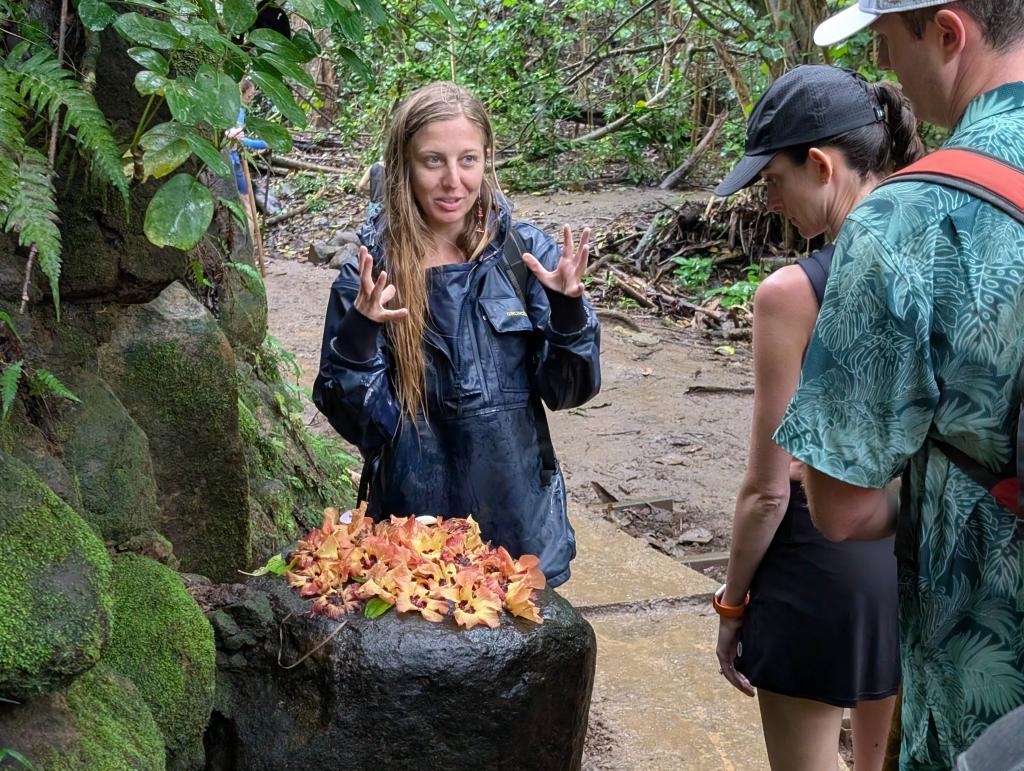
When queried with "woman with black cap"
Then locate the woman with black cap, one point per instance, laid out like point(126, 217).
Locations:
point(810, 623)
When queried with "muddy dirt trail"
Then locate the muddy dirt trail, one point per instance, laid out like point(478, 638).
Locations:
point(671, 421)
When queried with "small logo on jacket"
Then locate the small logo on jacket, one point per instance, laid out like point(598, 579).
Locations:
point(515, 313)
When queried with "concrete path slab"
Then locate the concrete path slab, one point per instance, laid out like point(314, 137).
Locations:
point(612, 568)
point(658, 685)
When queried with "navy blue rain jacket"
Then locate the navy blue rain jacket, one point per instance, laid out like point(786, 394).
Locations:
point(478, 453)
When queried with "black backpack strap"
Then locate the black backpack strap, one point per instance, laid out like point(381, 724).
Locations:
point(511, 263)
point(817, 267)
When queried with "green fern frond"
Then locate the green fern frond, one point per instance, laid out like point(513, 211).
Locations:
point(32, 214)
point(9, 386)
point(45, 383)
point(12, 139)
point(46, 86)
point(7, 321)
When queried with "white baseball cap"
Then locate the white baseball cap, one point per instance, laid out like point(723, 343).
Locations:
point(863, 14)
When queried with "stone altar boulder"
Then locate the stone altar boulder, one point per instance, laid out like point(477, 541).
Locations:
point(395, 692)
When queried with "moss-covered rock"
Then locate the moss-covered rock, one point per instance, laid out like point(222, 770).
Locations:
point(100, 723)
point(242, 306)
point(162, 642)
point(173, 369)
point(54, 587)
point(108, 454)
point(293, 474)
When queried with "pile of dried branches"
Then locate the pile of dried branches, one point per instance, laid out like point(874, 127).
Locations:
point(640, 264)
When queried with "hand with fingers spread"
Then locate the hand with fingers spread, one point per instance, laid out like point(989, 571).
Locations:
point(567, 277)
point(374, 295)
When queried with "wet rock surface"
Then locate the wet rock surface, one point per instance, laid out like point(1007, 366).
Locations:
point(296, 692)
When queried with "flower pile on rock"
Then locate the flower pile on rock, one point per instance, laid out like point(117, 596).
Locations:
point(431, 566)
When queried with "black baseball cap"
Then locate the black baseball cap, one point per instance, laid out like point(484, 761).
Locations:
point(809, 103)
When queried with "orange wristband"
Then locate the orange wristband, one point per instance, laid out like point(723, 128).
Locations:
point(729, 611)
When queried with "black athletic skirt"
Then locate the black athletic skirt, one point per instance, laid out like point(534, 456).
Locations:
point(822, 619)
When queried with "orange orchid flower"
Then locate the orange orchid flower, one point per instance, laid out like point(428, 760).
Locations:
point(416, 596)
point(519, 601)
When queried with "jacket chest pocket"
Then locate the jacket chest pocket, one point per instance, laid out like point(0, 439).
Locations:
point(510, 339)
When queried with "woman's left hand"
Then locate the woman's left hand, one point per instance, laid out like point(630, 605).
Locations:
point(567, 277)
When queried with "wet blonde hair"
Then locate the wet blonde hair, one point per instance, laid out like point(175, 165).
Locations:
point(406, 235)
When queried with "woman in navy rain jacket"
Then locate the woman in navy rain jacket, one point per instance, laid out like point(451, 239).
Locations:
point(442, 394)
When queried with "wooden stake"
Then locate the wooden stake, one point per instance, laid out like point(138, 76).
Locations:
point(257, 236)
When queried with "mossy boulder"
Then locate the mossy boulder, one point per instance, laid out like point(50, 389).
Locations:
point(109, 456)
point(293, 474)
point(54, 587)
point(171, 366)
point(242, 306)
point(162, 642)
point(100, 723)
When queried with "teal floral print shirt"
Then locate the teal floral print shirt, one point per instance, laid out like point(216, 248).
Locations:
point(921, 334)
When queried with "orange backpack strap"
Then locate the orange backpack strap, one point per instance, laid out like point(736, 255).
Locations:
point(984, 176)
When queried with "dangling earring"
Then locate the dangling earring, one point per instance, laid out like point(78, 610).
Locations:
point(480, 216)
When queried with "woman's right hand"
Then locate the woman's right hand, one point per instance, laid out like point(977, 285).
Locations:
point(374, 295)
point(728, 629)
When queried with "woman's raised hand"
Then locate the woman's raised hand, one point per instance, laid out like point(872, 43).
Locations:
point(567, 277)
point(374, 295)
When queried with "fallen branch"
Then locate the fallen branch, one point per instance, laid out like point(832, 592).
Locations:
point(713, 389)
point(292, 163)
point(296, 210)
point(686, 166)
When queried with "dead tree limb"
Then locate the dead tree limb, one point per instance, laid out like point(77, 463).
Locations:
point(686, 166)
point(293, 163)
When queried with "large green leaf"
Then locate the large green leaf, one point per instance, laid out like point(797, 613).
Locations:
point(354, 63)
point(208, 9)
point(147, 83)
point(179, 213)
point(373, 11)
point(164, 149)
point(307, 45)
point(270, 84)
point(239, 15)
point(219, 97)
point(347, 20)
point(289, 69)
point(274, 134)
point(95, 14)
point(207, 153)
point(184, 101)
point(312, 11)
point(150, 60)
point(145, 31)
point(276, 43)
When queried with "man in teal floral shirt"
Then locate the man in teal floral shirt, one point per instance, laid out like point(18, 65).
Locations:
point(921, 337)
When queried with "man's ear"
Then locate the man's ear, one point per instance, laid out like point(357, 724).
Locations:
point(822, 165)
point(951, 28)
